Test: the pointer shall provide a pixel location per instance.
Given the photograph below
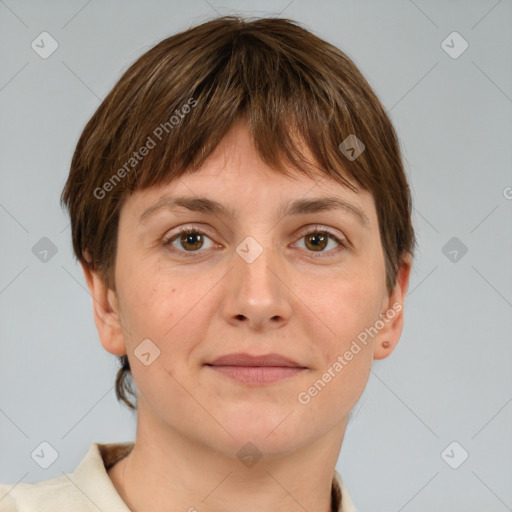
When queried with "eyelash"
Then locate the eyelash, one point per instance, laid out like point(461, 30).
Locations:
point(344, 245)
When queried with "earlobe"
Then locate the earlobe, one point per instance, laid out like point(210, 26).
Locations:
point(392, 315)
point(106, 312)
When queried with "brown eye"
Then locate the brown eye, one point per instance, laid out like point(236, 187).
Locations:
point(191, 240)
point(316, 241)
point(323, 242)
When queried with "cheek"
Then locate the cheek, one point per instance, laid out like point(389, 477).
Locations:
point(344, 310)
point(169, 308)
point(150, 303)
point(345, 307)
point(347, 356)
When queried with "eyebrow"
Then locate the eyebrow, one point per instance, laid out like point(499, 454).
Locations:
point(298, 207)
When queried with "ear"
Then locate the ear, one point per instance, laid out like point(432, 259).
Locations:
point(106, 312)
point(392, 313)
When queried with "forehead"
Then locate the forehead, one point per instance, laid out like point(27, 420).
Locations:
point(236, 178)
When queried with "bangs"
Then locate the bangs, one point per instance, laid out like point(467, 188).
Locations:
point(297, 116)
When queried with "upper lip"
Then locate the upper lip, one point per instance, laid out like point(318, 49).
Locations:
point(241, 359)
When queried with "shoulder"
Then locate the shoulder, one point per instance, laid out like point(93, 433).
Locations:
point(88, 485)
point(7, 503)
point(47, 494)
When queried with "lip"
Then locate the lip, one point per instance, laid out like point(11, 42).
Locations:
point(243, 359)
point(256, 370)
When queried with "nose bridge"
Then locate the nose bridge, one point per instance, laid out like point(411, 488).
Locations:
point(254, 263)
point(255, 293)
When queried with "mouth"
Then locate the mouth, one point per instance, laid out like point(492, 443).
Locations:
point(256, 370)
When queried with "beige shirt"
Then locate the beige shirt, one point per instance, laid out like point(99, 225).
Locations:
point(89, 487)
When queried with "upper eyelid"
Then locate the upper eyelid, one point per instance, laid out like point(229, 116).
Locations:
point(205, 231)
point(184, 229)
point(342, 239)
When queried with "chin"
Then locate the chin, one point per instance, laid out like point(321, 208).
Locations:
point(267, 431)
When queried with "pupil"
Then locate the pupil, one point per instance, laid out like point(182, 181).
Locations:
point(188, 239)
point(318, 240)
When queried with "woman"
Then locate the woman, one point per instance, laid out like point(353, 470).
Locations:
point(243, 220)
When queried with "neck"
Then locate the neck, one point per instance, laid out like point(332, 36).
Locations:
point(182, 474)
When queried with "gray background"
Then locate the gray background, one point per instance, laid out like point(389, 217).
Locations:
point(449, 378)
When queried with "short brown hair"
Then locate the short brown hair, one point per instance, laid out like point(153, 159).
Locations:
point(180, 98)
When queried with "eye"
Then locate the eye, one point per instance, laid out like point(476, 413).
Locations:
point(316, 240)
point(189, 240)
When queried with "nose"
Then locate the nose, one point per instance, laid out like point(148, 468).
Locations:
point(256, 292)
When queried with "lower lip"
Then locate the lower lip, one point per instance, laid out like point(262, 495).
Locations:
point(258, 374)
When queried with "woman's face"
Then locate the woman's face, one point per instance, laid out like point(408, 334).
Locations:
point(253, 282)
